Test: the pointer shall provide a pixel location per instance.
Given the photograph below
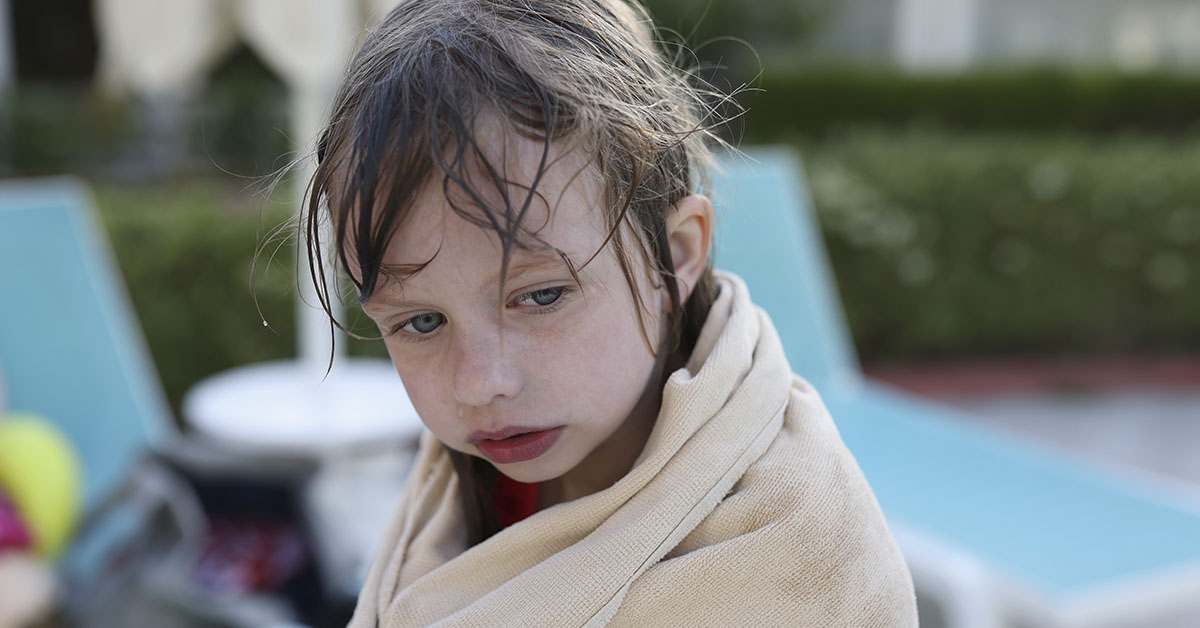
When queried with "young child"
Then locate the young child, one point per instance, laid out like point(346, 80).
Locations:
point(614, 435)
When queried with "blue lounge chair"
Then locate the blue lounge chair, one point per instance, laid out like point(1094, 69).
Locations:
point(996, 529)
point(70, 347)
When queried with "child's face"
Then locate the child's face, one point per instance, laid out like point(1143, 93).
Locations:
point(565, 364)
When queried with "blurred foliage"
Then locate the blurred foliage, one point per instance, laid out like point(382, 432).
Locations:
point(725, 46)
point(947, 244)
point(239, 125)
point(737, 35)
point(1033, 211)
point(243, 117)
point(943, 243)
point(186, 251)
point(51, 128)
point(813, 102)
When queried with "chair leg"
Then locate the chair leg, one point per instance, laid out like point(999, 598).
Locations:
point(959, 584)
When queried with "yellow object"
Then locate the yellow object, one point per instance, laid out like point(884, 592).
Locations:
point(40, 473)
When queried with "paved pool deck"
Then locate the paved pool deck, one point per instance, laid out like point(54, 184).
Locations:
point(1139, 414)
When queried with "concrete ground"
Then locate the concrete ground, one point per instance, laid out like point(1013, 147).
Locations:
point(1136, 413)
point(1144, 429)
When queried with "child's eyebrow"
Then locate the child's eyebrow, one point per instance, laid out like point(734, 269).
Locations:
point(530, 264)
point(401, 272)
point(397, 274)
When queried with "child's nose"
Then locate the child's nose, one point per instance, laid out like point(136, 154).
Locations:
point(484, 372)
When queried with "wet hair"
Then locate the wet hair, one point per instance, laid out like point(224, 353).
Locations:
point(579, 73)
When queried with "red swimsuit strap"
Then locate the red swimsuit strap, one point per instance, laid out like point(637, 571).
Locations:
point(514, 500)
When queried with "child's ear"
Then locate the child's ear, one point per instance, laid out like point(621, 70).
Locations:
point(689, 232)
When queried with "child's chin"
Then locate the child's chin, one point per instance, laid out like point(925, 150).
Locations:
point(541, 469)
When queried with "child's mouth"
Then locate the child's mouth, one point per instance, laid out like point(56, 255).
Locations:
point(520, 447)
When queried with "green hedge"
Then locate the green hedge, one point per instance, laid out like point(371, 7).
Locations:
point(813, 102)
point(950, 244)
point(944, 245)
point(186, 252)
point(240, 123)
point(56, 128)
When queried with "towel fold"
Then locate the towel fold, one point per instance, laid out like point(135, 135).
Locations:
point(744, 508)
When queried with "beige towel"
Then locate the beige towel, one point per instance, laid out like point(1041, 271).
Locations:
point(744, 509)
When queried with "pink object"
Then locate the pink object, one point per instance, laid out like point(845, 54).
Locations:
point(13, 533)
point(243, 555)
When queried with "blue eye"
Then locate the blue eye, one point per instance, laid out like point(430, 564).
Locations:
point(543, 297)
point(423, 323)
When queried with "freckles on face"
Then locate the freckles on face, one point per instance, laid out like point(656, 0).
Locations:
point(603, 347)
point(546, 353)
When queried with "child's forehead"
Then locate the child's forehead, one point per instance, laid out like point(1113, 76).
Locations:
point(435, 242)
point(523, 157)
point(510, 177)
point(559, 210)
point(510, 187)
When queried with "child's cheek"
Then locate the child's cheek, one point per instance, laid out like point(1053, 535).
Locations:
point(427, 381)
point(601, 357)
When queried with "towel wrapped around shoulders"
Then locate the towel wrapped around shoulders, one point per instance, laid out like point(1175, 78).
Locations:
point(743, 509)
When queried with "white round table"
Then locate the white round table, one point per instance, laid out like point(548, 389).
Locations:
point(286, 406)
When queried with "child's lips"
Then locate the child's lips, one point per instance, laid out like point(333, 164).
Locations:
point(518, 447)
point(505, 432)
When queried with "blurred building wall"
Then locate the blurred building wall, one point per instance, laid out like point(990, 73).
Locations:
point(859, 31)
point(959, 34)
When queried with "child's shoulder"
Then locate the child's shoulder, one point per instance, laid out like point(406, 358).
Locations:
point(800, 529)
point(806, 477)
